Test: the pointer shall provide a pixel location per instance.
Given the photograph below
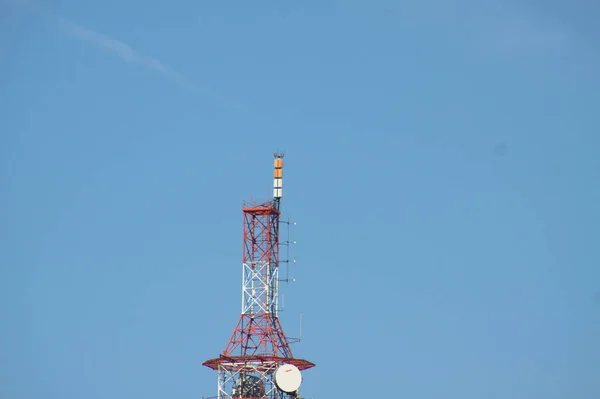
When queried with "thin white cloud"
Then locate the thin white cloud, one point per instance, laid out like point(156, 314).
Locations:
point(130, 55)
point(119, 48)
point(123, 50)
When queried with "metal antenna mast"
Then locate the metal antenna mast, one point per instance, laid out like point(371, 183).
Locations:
point(257, 362)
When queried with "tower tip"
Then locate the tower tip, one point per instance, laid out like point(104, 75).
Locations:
point(278, 175)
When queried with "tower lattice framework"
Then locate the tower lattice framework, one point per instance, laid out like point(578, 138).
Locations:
point(258, 345)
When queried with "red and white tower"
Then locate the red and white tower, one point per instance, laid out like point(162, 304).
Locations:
point(258, 362)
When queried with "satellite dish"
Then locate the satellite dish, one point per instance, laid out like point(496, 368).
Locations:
point(288, 378)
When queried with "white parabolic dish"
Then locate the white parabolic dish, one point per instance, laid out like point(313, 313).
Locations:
point(288, 378)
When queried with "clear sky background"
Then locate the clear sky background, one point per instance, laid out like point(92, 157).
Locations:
point(442, 162)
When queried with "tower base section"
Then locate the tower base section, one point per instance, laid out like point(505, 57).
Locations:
point(252, 377)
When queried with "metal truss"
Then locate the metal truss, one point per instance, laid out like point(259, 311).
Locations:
point(258, 335)
point(258, 344)
point(248, 380)
point(260, 283)
point(261, 234)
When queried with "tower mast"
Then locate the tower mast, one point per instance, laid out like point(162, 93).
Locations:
point(257, 361)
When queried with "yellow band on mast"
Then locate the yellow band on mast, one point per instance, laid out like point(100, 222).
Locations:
point(278, 175)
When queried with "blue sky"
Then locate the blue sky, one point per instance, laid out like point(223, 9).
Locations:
point(441, 162)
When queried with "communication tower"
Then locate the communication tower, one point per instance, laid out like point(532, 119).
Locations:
point(257, 362)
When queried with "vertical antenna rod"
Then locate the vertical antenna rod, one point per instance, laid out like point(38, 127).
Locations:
point(278, 179)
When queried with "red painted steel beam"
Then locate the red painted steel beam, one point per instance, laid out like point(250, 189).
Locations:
point(241, 360)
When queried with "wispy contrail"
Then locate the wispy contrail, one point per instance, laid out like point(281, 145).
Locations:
point(117, 47)
point(122, 50)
